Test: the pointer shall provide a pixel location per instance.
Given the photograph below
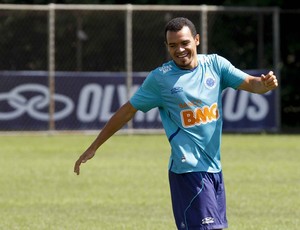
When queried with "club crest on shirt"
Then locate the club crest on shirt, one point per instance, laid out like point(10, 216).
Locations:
point(209, 82)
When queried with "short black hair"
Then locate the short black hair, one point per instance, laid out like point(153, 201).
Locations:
point(177, 24)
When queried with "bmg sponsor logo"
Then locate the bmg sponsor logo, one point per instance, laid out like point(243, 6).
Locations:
point(199, 115)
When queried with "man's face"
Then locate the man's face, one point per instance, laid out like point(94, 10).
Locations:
point(182, 47)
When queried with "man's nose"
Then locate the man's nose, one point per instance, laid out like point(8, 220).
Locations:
point(180, 48)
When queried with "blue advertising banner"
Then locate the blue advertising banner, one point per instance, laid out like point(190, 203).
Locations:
point(86, 101)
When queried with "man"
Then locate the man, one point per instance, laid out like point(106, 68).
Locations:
point(187, 90)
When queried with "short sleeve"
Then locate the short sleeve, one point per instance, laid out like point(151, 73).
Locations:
point(231, 76)
point(148, 96)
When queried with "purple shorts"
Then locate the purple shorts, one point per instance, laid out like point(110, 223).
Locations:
point(198, 200)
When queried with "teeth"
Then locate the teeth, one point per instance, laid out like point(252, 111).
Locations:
point(183, 55)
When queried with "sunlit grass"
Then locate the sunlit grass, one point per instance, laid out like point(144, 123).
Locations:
point(126, 186)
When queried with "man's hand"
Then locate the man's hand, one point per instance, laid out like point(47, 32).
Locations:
point(88, 154)
point(116, 122)
point(269, 81)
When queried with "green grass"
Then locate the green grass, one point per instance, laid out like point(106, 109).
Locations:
point(126, 186)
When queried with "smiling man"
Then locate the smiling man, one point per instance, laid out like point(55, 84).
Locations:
point(182, 45)
point(187, 90)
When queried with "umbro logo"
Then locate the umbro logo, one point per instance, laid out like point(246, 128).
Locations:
point(176, 90)
point(208, 220)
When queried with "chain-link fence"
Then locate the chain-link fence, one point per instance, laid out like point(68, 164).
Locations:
point(95, 38)
point(51, 40)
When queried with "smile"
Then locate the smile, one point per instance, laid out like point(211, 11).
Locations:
point(182, 55)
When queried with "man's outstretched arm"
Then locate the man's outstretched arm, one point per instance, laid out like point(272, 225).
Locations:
point(261, 84)
point(116, 122)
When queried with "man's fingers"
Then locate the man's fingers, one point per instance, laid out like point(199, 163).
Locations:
point(78, 163)
point(269, 75)
point(82, 159)
point(269, 80)
point(77, 166)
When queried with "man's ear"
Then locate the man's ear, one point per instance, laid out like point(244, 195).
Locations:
point(197, 39)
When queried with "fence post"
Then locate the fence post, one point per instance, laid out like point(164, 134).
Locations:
point(276, 61)
point(203, 29)
point(129, 55)
point(51, 64)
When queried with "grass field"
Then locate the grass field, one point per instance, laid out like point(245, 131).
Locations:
point(126, 187)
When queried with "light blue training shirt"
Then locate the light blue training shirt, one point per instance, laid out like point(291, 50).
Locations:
point(190, 106)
